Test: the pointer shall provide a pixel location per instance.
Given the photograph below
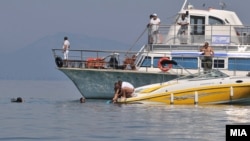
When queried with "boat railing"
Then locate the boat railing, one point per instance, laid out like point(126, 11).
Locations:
point(192, 48)
point(218, 35)
point(105, 59)
point(99, 59)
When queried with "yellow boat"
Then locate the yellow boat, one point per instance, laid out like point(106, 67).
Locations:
point(212, 87)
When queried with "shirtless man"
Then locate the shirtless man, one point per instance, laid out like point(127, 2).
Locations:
point(208, 53)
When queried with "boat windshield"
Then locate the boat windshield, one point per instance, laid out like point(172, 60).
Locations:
point(205, 75)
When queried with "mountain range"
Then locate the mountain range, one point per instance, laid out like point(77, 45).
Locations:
point(36, 61)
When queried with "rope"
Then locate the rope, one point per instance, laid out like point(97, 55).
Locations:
point(137, 40)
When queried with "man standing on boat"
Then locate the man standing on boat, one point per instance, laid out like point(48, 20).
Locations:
point(154, 28)
point(208, 53)
point(150, 40)
point(183, 22)
point(66, 46)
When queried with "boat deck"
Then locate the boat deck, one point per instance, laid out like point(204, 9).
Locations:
point(232, 51)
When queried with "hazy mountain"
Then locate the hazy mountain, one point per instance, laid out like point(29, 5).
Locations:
point(36, 61)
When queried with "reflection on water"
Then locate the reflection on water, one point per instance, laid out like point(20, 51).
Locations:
point(52, 111)
point(238, 114)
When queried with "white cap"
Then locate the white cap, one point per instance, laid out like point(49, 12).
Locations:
point(154, 14)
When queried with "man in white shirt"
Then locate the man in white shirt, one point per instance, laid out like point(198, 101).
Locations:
point(66, 46)
point(154, 28)
point(183, 22)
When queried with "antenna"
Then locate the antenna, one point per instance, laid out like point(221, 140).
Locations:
point(222, 5)
point(184, 4)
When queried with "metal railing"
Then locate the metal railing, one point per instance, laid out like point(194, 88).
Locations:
point(178, 47)
point(102, 60)
point(198, 33)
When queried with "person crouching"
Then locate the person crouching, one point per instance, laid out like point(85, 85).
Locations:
point(123, 89)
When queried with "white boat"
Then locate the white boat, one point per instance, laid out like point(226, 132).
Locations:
point(213, 87)
point(95, 71)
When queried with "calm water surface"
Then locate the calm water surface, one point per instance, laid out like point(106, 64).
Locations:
point(52, 111)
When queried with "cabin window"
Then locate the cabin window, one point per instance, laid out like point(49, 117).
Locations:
point(187, 62)
point(215, 21)
point(155, 61)
point(241, 64)
point(146, 62)
point(197, 25)
point(219, 63)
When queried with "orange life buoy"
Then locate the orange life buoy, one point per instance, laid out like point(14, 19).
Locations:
point(95, 63)
point(162, 62)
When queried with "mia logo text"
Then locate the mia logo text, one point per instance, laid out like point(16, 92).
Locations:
point(238, 132)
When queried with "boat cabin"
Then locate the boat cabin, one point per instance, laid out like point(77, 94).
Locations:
point(222, 29)
point(219, 27)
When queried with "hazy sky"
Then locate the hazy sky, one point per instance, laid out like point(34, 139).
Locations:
point(25, 21)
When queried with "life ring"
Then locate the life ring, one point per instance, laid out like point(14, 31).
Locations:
point(162, 64)
point(59, 61)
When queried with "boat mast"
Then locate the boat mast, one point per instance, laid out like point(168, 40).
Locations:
point(184, 4)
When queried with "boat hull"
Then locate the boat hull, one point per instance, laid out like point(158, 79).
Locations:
point(235, 93)
point(99, 83)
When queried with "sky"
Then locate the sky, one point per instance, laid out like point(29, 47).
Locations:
point(26, 21)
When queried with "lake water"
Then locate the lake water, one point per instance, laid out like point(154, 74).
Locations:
point(52, 111)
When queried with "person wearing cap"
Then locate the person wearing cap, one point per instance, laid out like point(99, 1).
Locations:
point(154, 28)
point(208, 53)
point(183, 22)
